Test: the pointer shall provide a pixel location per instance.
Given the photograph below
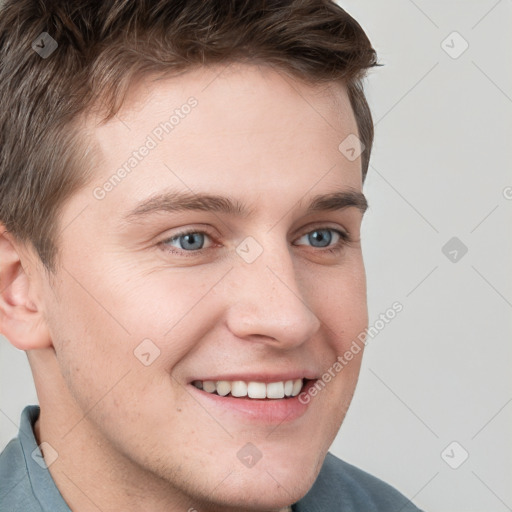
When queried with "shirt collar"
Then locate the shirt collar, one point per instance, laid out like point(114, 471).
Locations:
point(42, 483)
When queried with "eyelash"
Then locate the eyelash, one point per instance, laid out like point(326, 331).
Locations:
point(345, 239)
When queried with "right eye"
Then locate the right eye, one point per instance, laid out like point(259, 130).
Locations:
point(187, 241)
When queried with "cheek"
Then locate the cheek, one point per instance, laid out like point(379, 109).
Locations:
point(338, 295)
point(340, 301)
point(103, 329)
point(149, 293)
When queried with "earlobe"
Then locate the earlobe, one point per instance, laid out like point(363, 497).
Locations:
point(21, 318)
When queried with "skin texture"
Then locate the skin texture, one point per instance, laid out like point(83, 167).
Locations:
point(133, 437)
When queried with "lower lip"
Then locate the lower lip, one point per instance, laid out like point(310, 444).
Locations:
point(267, 411)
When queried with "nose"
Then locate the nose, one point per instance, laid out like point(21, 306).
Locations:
point(267, 305)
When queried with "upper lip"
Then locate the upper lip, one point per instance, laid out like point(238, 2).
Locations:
point(260, 377)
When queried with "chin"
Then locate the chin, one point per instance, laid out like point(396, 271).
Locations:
point(262, 490)
point(280, 478)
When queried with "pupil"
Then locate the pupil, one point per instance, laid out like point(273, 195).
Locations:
point(322, 235)
point(189, 239)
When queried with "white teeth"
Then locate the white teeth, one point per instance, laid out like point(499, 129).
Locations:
point(275, 390)
point(239, 388)
point(223, 387)
point(257, 390)
point(209, 386)
point(260, 390)
point(297, 386)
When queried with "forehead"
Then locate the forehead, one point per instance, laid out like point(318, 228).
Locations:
point(235, 98)
point(238, 129)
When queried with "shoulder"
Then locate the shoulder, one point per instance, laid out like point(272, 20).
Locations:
point(15, 487)
point(26, 484)
point(342, 486)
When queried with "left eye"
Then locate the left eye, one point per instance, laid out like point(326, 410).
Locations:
point(322, 237)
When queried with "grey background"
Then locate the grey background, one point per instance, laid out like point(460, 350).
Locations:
point(438, 372)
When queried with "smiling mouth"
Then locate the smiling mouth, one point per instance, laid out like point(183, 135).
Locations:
point(252, 389)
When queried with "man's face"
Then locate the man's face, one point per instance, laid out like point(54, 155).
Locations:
point(140, 315)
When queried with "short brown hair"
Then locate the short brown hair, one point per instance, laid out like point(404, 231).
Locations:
point(104, 46)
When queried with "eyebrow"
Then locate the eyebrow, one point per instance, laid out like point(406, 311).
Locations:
point(169, 202)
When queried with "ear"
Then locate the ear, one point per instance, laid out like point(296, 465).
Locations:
point(21, 318)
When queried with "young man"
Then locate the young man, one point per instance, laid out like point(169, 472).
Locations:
point(180, 253)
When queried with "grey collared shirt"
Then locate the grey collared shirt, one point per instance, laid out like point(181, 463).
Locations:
point(26, 484)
